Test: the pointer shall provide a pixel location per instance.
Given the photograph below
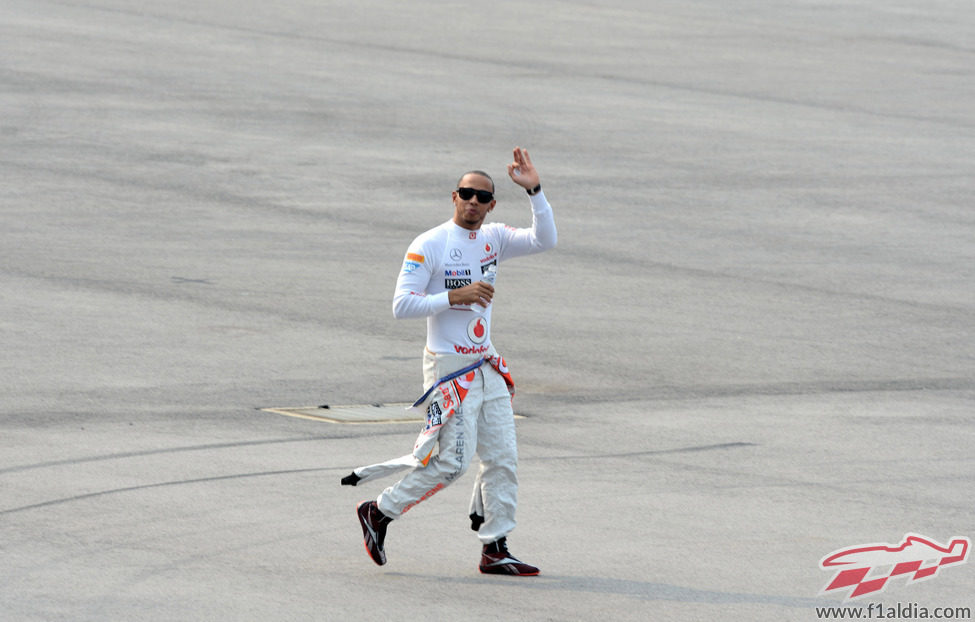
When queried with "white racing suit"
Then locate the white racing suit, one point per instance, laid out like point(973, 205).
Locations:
point(444, 258)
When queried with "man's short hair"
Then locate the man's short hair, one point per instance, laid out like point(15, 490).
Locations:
point(476, 172)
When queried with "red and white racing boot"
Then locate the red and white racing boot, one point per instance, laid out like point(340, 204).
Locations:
point(495, 559)
point(373, 530)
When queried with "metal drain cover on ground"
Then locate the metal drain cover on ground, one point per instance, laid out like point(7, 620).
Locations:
point(355, 413)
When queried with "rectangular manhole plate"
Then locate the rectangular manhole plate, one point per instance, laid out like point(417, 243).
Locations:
point(355, 413)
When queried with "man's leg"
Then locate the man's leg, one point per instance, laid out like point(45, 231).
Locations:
point(457, 442)
point(496, 488)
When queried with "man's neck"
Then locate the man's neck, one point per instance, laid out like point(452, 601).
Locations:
point(468, 226)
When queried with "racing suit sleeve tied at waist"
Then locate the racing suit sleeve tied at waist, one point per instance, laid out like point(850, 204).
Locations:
point(439, 403)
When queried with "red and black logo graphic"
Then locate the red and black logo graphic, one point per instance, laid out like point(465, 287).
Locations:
point(866, 568)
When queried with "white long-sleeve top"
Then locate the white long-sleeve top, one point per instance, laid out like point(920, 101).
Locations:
point(449, 257)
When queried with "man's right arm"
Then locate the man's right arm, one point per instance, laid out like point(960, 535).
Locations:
point(410, 298)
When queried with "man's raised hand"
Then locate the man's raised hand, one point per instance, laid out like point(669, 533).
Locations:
point(522, 171)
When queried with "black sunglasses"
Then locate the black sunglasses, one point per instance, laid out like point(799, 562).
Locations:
point(483, 196)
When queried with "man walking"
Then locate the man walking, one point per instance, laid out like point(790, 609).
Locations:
point(447, 278)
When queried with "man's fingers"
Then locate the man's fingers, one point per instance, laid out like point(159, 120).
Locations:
point(476, 292)
point(521, 171)
point(485, 292)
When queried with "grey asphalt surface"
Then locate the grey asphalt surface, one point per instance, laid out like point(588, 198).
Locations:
point(754, 344)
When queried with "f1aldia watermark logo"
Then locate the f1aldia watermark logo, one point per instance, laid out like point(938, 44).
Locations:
point(867, 568)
